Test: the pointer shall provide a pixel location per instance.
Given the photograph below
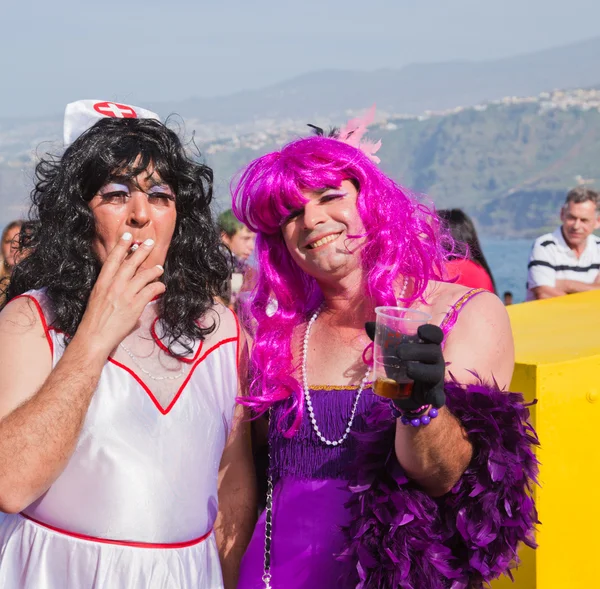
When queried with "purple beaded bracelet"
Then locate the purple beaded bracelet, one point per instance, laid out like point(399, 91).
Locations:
point(421, 416)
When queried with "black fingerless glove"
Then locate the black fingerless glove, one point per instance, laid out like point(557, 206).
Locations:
point(425, 365)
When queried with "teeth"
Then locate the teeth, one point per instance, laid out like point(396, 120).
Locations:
point(323, 241)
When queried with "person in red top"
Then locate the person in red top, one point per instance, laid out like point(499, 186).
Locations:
point(472, 270)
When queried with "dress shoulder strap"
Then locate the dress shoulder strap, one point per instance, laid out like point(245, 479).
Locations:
point(43, 307)
point(449, 320)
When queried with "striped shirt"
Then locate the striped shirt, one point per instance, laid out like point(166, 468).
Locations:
point(551, 259)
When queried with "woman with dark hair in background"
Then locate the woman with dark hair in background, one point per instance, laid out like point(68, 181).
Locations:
point(118, 424)
point(472, 270)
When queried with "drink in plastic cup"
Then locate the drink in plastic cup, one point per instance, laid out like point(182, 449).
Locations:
point(394, 326)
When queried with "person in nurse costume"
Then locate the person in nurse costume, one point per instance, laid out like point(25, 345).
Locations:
point(118, 421)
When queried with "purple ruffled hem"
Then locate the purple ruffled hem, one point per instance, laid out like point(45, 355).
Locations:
point(402, 537)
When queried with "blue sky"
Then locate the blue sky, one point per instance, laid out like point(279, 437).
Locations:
point(138, 51)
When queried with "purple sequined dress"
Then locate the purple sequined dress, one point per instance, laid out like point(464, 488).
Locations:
point(348, 517)
point(310, 490)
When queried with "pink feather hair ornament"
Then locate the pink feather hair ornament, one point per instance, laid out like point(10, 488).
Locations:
point(353, 133)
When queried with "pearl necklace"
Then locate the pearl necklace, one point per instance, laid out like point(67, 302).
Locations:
point(307, 397)
point(149, 374)
point(311, 412)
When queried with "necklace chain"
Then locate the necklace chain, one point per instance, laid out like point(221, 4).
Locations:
point(268, 517)
point(149, 374)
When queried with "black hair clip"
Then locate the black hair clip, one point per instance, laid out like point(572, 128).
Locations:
point(319, 131)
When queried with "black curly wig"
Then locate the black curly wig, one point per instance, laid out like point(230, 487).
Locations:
point(57, 241)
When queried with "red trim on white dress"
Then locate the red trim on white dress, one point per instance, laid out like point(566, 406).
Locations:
point(162, 409)
point(118, 542)
point(170, 406)
point(237, 335)
point(42, 318)
point(164, 348)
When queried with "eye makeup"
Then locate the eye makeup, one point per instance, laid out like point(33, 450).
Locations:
point(325, 195)
point(118, 189)
point(113, 187)
point(330, 195)
point(162, 188)
point(161, 191)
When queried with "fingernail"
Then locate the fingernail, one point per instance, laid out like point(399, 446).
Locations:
point(126, 236)
point(159, 266)
point(149, 242)
point(133, 247)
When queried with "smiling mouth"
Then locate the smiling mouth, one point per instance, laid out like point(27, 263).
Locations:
point(322, 241)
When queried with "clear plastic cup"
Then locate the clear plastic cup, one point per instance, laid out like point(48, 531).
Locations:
point(394, 326)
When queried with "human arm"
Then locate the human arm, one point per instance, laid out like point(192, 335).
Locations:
point(478, 526)
point(42, 409)
point(481, 342)
point(547, 292)
point(237, 487)
point(575, 286)
point(564, 287)
point(434, 457)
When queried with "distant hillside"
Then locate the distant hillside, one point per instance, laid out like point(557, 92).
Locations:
point(509, 166)
point(509, 163)
point(409, 90)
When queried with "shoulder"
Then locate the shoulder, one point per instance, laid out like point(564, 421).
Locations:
point(485, 306)
point(481, 342)
point(594, 243)
point(545, 244)
point(224, 320)
point(481, 339)
point(26, 311)
point(26, 351)
point(443, 296)
point(440, 297)
point(546, 240)
point(24, 331)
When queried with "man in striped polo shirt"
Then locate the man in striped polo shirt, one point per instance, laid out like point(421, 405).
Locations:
point(568, 260)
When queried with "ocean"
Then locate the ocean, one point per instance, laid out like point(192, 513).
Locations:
point(507, 259)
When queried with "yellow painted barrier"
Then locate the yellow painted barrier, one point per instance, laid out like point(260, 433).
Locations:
point(557, 345)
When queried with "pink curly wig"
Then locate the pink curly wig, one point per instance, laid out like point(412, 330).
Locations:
point(403, 237)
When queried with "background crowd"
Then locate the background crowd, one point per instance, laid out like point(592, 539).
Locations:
point(563, 262)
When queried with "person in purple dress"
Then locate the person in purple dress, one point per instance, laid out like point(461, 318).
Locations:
point(357, 498)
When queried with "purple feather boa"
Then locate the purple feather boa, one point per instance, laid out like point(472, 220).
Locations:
point(402, 537)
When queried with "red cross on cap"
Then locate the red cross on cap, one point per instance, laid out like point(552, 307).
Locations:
point(112, 109)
